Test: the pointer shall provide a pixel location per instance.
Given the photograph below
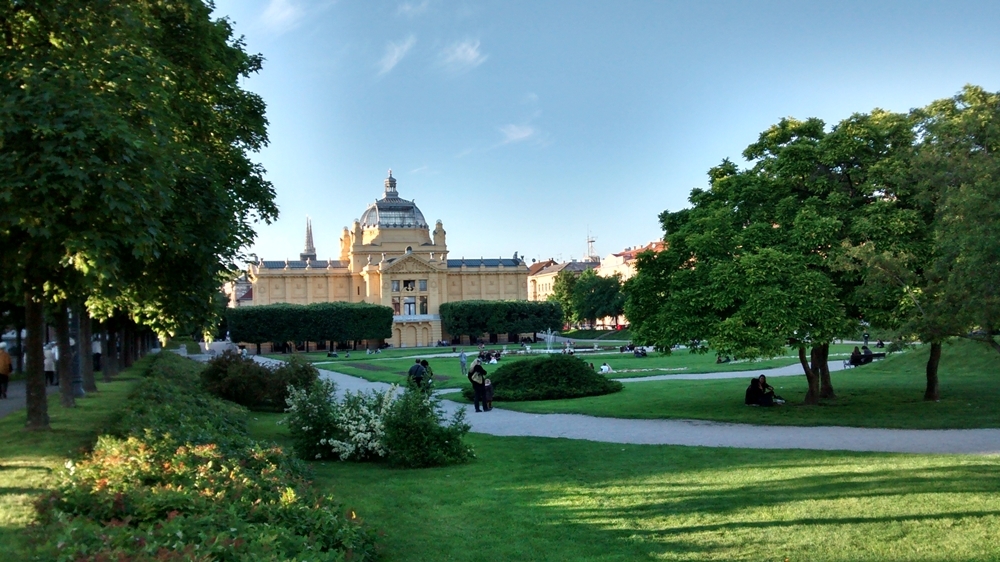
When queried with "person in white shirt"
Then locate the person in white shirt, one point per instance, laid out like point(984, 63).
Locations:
point(605, 368)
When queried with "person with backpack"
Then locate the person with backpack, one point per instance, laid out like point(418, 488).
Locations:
point(477, 376)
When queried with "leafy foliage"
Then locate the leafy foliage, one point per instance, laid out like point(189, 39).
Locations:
point(255, 385)
point(417, 435)
point(180, 479)
point(551, 377)
point(597, 297)
point(327, 321)
point(477, 317)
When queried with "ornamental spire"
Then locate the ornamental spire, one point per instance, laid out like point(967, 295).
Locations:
point(310, 252)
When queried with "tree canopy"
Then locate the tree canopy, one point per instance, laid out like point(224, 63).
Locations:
point(477, 317)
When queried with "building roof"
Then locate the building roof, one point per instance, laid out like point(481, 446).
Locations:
point(574, 266)
point(487, 262)
point(300, 264)
point(631, 253)
point(247, 296)
point(538, 266)
point(391, 211)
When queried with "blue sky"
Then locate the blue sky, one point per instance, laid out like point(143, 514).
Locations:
point(521, 124)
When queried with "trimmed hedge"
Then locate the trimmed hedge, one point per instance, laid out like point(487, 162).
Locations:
point(255, 385)
point(180, 478)
point(474, 318)
point(321, 321)
point(551, 377)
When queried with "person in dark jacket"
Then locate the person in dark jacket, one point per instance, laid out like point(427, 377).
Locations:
point(866, 355)
point(856, 358)
point(768, 391)
point(755, 396)
point(416, 373)
point(477, 376)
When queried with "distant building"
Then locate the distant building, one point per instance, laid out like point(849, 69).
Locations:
point(623, 263)
point(391, 257)
point(540, 282)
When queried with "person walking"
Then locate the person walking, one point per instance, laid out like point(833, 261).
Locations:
point(477, 376)
point(463, 361)
point(416, 373)
point(49, 364)
point(6, 368)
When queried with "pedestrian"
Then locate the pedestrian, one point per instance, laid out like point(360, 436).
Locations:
point(95, 351)
point(49, 364)
point(462, 360)
point(477, 376)
point(416, 373)
point(428, 376)
point(6, 368)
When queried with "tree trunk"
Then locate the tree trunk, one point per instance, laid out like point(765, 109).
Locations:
point(127, 346)
point(37, 403)
point(812, 395)
point(826, 387)
point(86, 354)
point(109, 355)
point(63, 367)
point(931, 393)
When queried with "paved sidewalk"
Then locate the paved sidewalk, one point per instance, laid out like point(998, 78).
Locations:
point(706, 433)
point(16, 397)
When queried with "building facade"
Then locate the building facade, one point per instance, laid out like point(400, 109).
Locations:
point(390, 256)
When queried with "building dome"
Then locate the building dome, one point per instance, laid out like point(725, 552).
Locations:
point(392, 212)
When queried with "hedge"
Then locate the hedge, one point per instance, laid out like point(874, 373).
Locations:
point(179, 478)
point(550, 377)
point(323, 321)
point(477, 317)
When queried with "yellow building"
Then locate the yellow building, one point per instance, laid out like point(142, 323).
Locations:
point(391, 257)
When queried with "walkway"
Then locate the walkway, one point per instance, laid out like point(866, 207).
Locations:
point(705, 433)
point(16, 398)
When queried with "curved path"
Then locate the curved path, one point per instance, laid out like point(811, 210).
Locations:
point(707, 433)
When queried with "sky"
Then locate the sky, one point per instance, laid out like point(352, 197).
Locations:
point(526, 126)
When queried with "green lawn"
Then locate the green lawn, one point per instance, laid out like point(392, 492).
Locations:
point(884, 394)
point(565, 500)
point(392, 368)
point(30, 463)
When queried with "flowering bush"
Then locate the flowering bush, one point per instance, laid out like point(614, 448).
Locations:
point(409, 431)
point(360, 422)
point(182, 480)
point(323, 428)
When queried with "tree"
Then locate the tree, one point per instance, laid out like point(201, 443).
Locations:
point(755, 263)
point(562, 293)
point(595, 297)
point(477, 317)
point(124, 172)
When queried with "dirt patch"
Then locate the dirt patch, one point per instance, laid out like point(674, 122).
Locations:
point(367, 367)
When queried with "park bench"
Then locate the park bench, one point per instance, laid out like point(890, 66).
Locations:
point(875, 357)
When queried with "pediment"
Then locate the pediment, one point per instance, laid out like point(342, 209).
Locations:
point(409, 263)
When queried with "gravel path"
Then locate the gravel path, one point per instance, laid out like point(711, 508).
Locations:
point(710, 434)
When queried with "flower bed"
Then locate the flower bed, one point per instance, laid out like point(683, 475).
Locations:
point(179, 478)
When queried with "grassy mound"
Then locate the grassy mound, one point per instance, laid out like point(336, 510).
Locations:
point(547, 378)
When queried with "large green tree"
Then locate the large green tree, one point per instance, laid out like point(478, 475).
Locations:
point(596, 297)
point(754, 264)
point(124, 175)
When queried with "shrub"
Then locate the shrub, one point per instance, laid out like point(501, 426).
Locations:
point(408, 432)
point(323, 428)
point(551, 377)
point(417, 435)
point(182, 480)
point(253, 384)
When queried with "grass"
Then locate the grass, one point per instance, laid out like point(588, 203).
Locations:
point(392, 368)
point(30, 462)
point(886, 393)
point(557, 499)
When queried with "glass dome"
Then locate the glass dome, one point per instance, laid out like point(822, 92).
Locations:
point(392, 212)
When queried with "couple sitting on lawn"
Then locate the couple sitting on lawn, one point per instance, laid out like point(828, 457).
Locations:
point(759, 393)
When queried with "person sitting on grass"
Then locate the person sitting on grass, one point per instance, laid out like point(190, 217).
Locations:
point(768, 390)
point(755, 395)
point(605, 369)
point(856, 358)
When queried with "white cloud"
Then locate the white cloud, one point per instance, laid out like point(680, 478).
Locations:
point(282, 15)
point(394, 52)
point(517, 133)
point(410, 9)
point(462, 56)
